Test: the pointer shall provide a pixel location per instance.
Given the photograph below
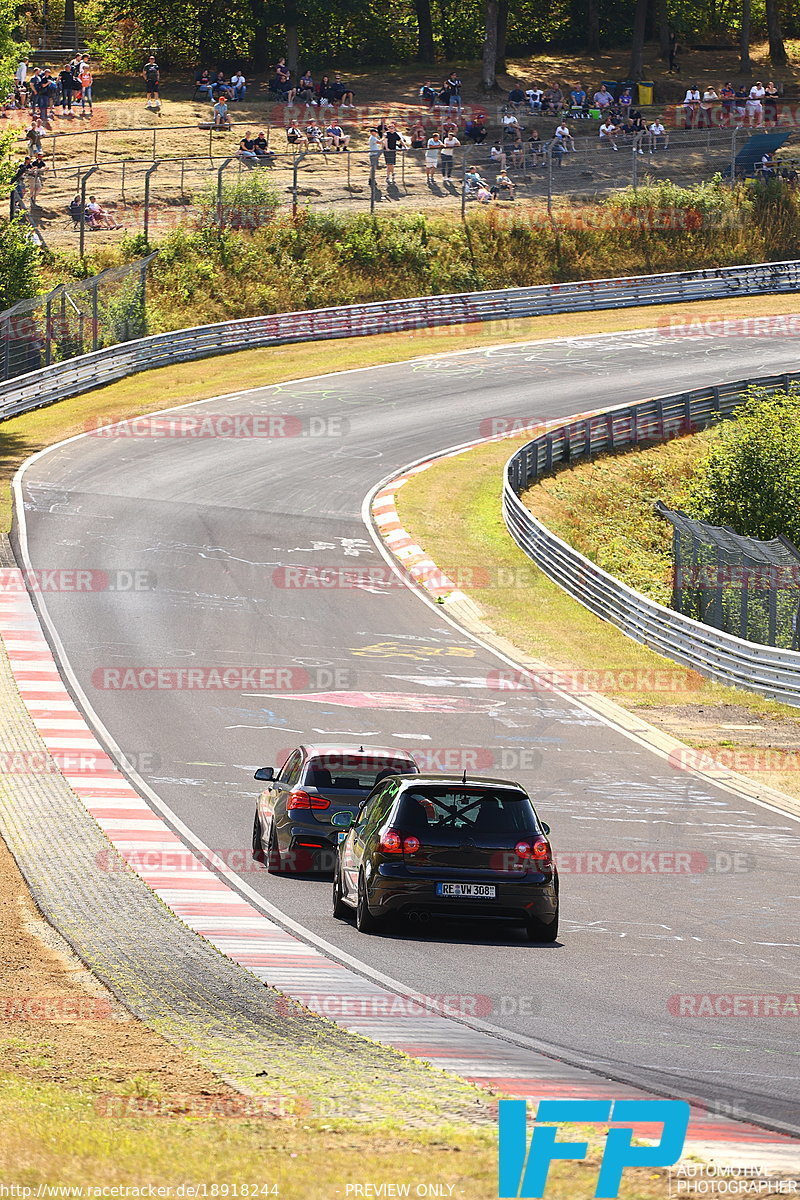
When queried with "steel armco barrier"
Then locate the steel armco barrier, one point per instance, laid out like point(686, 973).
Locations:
point(61, 380)
point(720, 656)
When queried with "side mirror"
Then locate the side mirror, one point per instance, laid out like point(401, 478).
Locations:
point(342, 818)
point(265, 774)
point(545, 827)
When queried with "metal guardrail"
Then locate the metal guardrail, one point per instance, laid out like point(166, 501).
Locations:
point(720, 656)
point(61, 380)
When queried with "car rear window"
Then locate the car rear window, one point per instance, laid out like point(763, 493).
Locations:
point(465, 811)
point(352, 772)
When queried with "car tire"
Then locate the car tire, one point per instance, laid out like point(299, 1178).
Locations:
point(542, 931)
point(340, 910)
point(274, 856)
point(365, 922)
point(258, 847)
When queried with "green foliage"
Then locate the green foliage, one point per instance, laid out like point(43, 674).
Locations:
point(19, 263)
point(247, 204)
point(750, 478)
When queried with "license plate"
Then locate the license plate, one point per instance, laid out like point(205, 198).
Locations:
point(467, 891)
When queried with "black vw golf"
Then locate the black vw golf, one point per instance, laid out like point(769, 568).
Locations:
point(439, 845)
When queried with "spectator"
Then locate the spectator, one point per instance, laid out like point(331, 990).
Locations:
point(20, 178)
point(36, 175)
point(306, 88)
point(337, 137)
point(325, 92)
point(603, 99)
point(514, 146)
point(429, 94)
point(418, 136)
point(728, 96)
point(564, 136)
point(483, 194)
point(504, 186)
point(691, 104)
point(706, 113)
point(534, 97)
point(314, 135)
point(432, 156)
point(295, 136)
point(449, 146)
point(342, 92)
point(636, 129)
point(261, 146)
point(282, 83)
point(578, 97)
point(755, 110)
point(21, 73)
point(247, 150)
point(75, 208)
point(510, 119)
point(86, 80)
point(475, 129)
point(624, 101)
point(238, 85)
point(609, 133)
point(741, 100)
point(203, 83)
point(536, 148)
point(66, 82)
point(767, 165)
point(551, 99)
point(375, 146)
point(658, 133)
point(452, 86)
point(771, 95)
point(221, 90)
point(497, 155)
point(99, 218)
point(220, 111)
point(152, 80)
point(516, 96)
point(674, 51)
point(393, 141)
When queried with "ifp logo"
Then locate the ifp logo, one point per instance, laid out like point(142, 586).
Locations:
point(523, 1169)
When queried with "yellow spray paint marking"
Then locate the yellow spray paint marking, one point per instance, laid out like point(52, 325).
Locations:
point(403, 650)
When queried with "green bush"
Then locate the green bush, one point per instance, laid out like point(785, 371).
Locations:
point(750, 478)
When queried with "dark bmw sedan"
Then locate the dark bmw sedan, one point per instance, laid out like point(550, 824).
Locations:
point(292, 828)
point(436, 846)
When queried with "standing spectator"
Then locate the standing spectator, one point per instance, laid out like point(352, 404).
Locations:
point(740, 106)
point(20, 76)
point(20, 178)
point(564, 136)
point(706, 115)
point(691, 104)
point(220, 111)
point(283, 82)
point(755, 110)
point(338, 138)
point(603, 99)
point(34, 135)
point(36, 175)
point(608, 133)
point(674, 51)
point(393, 141)
point(658, 133)
point(238, 85)
point(432, 156)
point(418, 136)
point(452, 85)
point(771, 95)
point(449, 147)
point(728, 96)
point(86, 80)
point(152, 80)
point(375, 146)
point(66, 82)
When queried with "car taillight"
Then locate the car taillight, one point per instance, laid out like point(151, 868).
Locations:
point(300, 799)
point(393, 842)
point(537, 849)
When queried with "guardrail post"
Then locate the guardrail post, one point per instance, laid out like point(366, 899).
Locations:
point(48, 328)
point(83, 183)
point(95, 319)
point(147, 175)
point(733, 157)
point(549, 182)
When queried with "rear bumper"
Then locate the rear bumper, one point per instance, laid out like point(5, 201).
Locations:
point(518, 900)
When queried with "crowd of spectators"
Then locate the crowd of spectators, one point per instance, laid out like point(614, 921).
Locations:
point(42, 91)
point(756, 106)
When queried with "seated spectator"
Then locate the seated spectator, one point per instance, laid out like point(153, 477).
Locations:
point(553, 99)
point(624, 101)
point(504, 186)
point(514, 146)
point(658, 133)
point(314, 135)
point(203, 83)
point(475, 130)
point(306, 89)
point(295, 136)
point(430, 94)
point(220, 111)
point(337, 137)
point(221, 90)
point(473, 180)
point(325, 92)
point(247, 150)
point(510, 119)
point(342, 92)
point(261, 147)
point(564, 136)
point(75, 208)
point(635, 128)
point(99, 218)
point(238, 85)
point(516, 96)
point(603, 99)
point(497, 155)
point(578, 97)
point(609, 133)
point(767, 166)
point(283, 82)
point(536, 148)
point(534, 97)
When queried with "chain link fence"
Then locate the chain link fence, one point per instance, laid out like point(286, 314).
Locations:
point(75, 318)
